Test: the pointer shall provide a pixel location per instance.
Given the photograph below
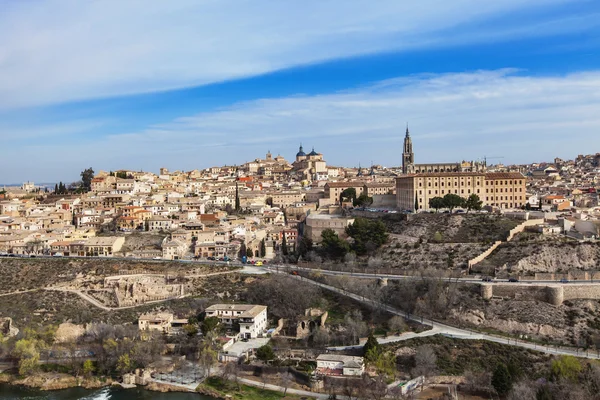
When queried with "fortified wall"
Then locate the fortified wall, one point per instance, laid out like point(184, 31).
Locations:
point(553, 294)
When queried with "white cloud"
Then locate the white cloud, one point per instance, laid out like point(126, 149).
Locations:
point(452, 117)
point(63, 50)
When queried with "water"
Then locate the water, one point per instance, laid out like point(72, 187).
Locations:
point(9, 392)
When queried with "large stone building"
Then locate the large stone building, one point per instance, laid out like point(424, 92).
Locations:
point(310, 166)
point(503, 190)
point(317, 223)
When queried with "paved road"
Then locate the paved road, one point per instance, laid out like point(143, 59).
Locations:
point(276, 388)
point(412, 277)
point(453, 332)
point(98, 304)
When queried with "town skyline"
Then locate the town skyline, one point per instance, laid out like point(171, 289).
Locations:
point(494, 160)
point(213, 82)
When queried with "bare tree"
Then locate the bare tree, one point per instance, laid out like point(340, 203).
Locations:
point(425, 361)
point(285, 380)
point(397, 324)
point(264, 377)
point(523, 390)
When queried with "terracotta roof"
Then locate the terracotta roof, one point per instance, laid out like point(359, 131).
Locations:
point(504, 175)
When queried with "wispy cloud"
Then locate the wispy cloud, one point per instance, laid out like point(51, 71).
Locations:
point(452, 117)
point(63, 50)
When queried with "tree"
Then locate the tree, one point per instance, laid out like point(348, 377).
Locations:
point(124, 364)
point(209, 325)
point(284, 296)
point(207, 358)
point(190, 329)
point(501, 380)
point(397, 324)
point(243, 250)
point(237, 198)
point(265, 353)
point(332, 246)
point(451, 201)
point(26, 350)
point(416, 203)
point(305, 246)
point(371, 349)
point(437, 203)
point(363, 201)
point(473, 203)
point(56, 188)
point(425, 361)
point(263, 248)
point(348, 194)
point(286, 380)
point(86, 179)
point(566, 367)
point(284, 248)
point(367, 234)
point(88, 368)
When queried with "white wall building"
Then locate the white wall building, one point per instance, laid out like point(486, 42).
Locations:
point(251, 318)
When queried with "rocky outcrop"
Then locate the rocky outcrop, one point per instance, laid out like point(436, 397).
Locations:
point(57, 381)
point(552, 258)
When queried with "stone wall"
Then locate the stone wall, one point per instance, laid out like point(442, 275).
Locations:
point(511, 234)
point(553, 294)
point(483, 255)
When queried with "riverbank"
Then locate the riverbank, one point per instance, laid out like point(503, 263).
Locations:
point(55, 381)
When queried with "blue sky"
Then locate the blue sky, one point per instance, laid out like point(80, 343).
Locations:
point(189, 84)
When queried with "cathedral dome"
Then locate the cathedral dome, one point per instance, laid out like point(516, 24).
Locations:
point(301, 152)
point(313, 153)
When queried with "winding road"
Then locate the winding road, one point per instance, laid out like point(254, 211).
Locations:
point(448, 330)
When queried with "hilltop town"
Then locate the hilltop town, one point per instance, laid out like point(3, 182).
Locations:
point(316, 278)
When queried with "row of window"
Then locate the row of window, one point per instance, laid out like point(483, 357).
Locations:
point(462, 191)
point(507, 190)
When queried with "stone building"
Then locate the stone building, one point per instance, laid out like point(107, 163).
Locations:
point(310, 166)
point(502, 190)
point(317, 223)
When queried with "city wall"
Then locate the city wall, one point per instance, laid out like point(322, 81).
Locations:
point(553, 294)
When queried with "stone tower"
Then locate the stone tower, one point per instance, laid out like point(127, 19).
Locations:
point(408, 157)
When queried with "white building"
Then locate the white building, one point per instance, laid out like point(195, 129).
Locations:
point(251, 318)
point(335, 364)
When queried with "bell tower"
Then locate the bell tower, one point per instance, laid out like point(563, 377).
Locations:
point(408, 157)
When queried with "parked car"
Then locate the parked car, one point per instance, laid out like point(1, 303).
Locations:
point(294, 272)
point(513, 279)
point(564, 280)
point(259, 263)
point(487, 279)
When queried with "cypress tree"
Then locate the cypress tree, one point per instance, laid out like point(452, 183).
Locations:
point(263, 248)
point(501, 380)
point(284, 248)
point(237, 198)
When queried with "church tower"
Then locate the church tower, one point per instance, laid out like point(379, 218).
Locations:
point(408, 157)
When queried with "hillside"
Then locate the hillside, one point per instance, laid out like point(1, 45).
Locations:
point(453, 228)
point(525, 256)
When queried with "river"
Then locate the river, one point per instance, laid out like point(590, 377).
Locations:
point(9, 392)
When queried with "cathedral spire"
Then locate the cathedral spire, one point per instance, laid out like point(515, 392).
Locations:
point(407, 132)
